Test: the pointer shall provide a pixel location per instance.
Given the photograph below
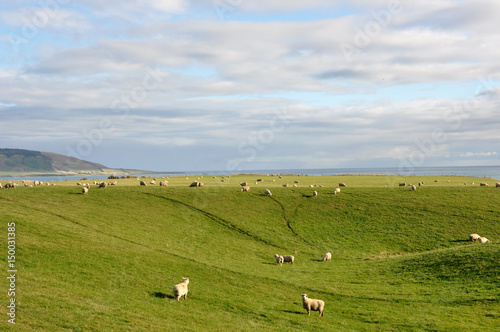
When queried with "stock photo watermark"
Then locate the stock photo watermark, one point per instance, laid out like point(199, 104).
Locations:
point(223, 8)
point(11, 272)
point(257, 141)
point(122, 105)
point(381, 19)
point(453, 117)
point(34, 22)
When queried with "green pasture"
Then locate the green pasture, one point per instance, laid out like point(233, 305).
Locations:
point(401, 259)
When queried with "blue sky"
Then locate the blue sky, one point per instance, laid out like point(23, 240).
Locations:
point(191, 85)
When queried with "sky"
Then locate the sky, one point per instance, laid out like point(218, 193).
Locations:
point(230, 85)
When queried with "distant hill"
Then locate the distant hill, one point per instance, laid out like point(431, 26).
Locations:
point(27, 161)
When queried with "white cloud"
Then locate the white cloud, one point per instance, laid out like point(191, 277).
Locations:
point(218, 84)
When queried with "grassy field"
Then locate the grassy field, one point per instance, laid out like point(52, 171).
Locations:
point(107, 261)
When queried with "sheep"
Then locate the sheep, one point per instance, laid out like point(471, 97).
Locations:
point(484, 184)
point(413, 187)
point(284, 259)
point(327, 257)
point(197, 184)
point(163, 184)
point(181, 289)
point(474, 237)
point(103, 185)
point(497, 185)
point(267, 192)
point(314, 305)
point(153, 182)
point(243, 184)
point(402, 184)
point(285, 185)
point(288, 259)
point(483, 240)
point(142, 183)
point(315, 193)
point(245, 188)
point(337, 191)
point(279, 259)
point(113, 183)
point(342, 185)
point(85, 190)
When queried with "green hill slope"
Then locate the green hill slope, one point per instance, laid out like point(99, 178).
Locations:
point(400, 258)
point(27, 161)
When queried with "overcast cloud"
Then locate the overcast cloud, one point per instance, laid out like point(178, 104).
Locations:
point(178, 85)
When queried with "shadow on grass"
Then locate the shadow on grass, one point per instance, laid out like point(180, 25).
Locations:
point(162, 295)
point(294, 312)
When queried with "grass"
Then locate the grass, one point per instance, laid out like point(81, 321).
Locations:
point(400, 258)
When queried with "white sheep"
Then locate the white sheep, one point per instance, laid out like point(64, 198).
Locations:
point(314, 305)
point(413, 187)
point(245, 188)
point(474, 237)
point(315, 193)
point(337, 191)
point(497, 184)
point(483, 240)
point(327, 257)
point(484, 184)
point(181, 289)
point(85, 190)
point(142, 183)
point(279, 259)
point(288, 259)
point(268, 192)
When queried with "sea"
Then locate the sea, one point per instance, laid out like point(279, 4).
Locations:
point(475, 171)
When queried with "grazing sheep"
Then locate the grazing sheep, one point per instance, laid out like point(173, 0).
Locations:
point(103, 185)
point(153, 182)
point(498, 185)
point(267, 192)
point(181, 289)
point(85, 190)
point(285, 185)
point(483, 240)
point(279, 259)
point(327, 257)
point(295, 181)
point(113, 183)
point(474, 237)
point(197, 184)
point(245, 188)
point(342, 185)
point(420, 184)
point(337, 191)
point(288, 259)
point(142, 183)
point(402, 184)
point(163, 184)
point(314, 305)
point(243, 184)
point(484, 184)
point(315, 193)
point(436, 180)
point(413, 187)
point(10, 185)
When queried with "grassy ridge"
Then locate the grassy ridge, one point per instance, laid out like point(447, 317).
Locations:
point(108, 260)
